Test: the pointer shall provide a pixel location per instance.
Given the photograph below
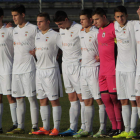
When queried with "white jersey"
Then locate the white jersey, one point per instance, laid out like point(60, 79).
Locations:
point(137, 36)
point(24, 41)
point(6, 50)
point(71, 43)
point(47, 48)
point(125, 36)
point(89, 47)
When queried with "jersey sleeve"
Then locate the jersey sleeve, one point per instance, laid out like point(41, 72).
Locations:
point(59, 41)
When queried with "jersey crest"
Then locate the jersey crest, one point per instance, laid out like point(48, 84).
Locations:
point(47, 38)
point(2, 34)
point(71, 34)
point(26, 33)
point(103, 35)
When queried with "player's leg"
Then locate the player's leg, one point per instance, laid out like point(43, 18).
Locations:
point(82, 113)
point(134, 118)
point(12, 101)
point(102, 118)
point(1, 112)
point(6, 81)
point(108, 103)
point(18, 93)
point(45, 115)
point(74, 110)
point(30, 91)
point(130, 90)
point(89, 114)
point(137, 89)
point(125, 90)
point(116, 103)
point(34, 110)
point(56, 108)
point(13, 108)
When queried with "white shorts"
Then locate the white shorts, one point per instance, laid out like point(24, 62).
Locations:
point(24, 84)
point(125, 83)
point(71, 77)
point(89, 83)
point(48, 84)
point(137, 85)
point(5, 84)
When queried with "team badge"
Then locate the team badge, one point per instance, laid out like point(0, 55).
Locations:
point(26, 33)
point(103, 35)
point(124, 30)
point(2, 34)
point(47, 38)
point(71, 34)
point(90, 39)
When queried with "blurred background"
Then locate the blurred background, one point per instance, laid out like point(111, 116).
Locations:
point(71, 7)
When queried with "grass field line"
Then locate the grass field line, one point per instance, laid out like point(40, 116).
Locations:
point(5, 136)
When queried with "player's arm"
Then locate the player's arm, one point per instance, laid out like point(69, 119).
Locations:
point(32, 52)
point(97, 58)
point(9, 25)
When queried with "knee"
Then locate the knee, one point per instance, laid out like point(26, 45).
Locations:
point(124, 102)
point(11, 99)
point(32, 99)
point(55, 103)
point(73, 97)
point(20, 101)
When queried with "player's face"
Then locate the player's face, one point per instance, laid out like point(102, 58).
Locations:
point(121, 18)
point(42, 23)
point(18, 18)
point(62, 24)
point(85, 21)
point(99, 21)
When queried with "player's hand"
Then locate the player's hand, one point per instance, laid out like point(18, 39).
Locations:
point(9, 25)
point(32, 52)
point(138, 11)
point(97, 58)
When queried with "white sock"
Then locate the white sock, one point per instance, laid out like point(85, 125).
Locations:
point(89, 114)
point(1, 112)
point(126, 114)
point(102, 117)
point(21, 108)
point(13, 107)
point(57, 116)
point(45, 112)
point(82, 115)
point(138, 111)
point(34, 109)
point(134, 119)
point(74, 114)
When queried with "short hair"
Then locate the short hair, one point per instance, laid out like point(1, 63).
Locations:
point(1, 12)
point(18, 8)
point(121, 9)
point(87, 12)
point(60, 16)
point(99, 11)
point(45, 15)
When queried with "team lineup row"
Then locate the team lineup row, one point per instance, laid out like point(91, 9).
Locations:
point(92, 70)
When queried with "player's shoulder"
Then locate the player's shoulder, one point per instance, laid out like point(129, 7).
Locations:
point(76, 25)
point(94, 29)
point(30, 25)
point(54, 32)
